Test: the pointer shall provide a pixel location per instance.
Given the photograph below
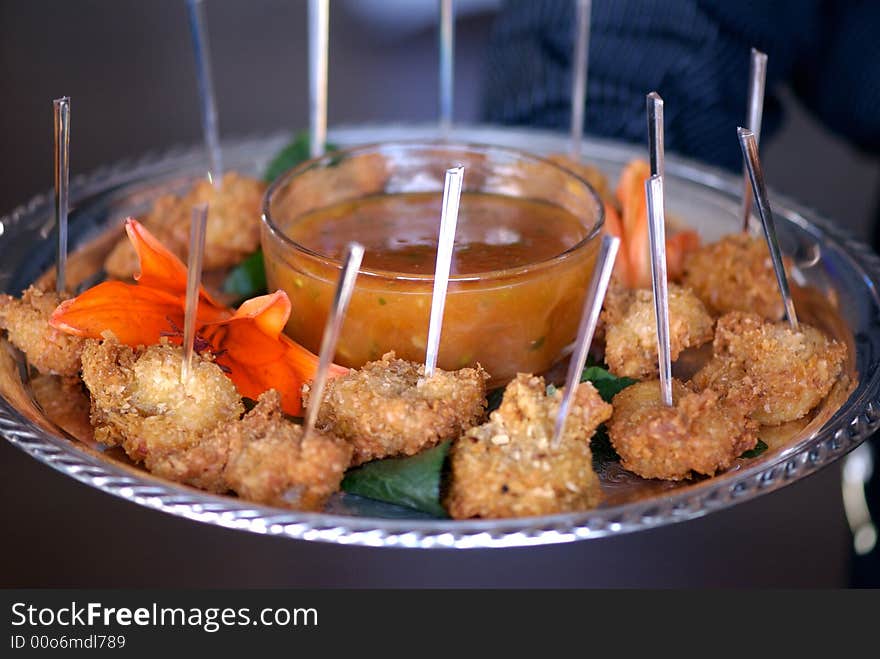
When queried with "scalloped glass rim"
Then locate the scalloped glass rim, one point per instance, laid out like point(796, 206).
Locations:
point(854, 268)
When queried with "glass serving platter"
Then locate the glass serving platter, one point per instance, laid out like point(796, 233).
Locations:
point(841, 273)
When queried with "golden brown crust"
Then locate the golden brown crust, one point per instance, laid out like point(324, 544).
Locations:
point(232, 233)
point(388, 408)
point(784, 374)
point(196, 436)
point(26, 321)
point(702, 432)
point(735, 274)
point(263, 458)
point(508, 467)
point(631, 329)
point(271, 462)
point(139, 403)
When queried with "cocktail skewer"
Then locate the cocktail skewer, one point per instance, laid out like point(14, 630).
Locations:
point(446, 36)
point(589, 318)
point(202, 52)
point(754, 114)
point(580, 62)
point(62, 187)
point(354, 255)
point(749, 145)
point(448, 221)
point(656, 148)
point(657, 237)
point(193, 281)
point(319, 42)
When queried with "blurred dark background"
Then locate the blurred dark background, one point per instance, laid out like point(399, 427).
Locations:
point(128, 67)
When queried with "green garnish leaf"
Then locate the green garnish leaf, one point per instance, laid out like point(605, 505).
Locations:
point(413, 481)
point(248, 278)
point(607, 384)
point(493, 399)
point(290, 156)
point(551, 390)
point(760, 447)
point(603, 451)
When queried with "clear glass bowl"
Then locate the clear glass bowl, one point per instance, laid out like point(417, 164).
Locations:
point(516, 319)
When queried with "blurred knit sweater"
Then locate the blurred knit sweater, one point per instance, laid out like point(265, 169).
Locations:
point(695, 53)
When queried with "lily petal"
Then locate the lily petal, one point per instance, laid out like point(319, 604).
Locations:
point(136, 315)
point(249, 343)
point(159, 267)
point(259, 357)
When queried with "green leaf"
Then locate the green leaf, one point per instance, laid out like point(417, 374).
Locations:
point(603, 451)
point(413, 481)
point(248, 278)
point(607, 384)
point(760, 447)
point(493, 399)
point(290, 156)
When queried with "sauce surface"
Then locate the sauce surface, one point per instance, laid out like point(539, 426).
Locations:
point(400, 231)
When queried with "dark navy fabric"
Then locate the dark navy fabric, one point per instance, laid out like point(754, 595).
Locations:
point(695, 53)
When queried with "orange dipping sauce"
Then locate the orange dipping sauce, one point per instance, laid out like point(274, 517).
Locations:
point(400, 231)
point(520, 271)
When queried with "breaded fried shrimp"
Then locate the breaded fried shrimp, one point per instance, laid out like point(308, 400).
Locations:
point(785, 373)
point(139, 402)
point(508, 467)
point(701, 433)
point(195, 434)
point(26, 322)
point(631, 329)
point(735, 274)
point(264, 458)
point(232, 232)
point(272, 462)
point(388, 408)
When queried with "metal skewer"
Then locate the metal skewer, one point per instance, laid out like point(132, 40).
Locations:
point(754, 114)
point(589, 317)
point(580, 66)
point(319, 41)
point(749, 146)
point(656, 149)
point(354, 255)
point(62, 187)
point(445, 243)
point(202, 52)
point(193, 281)
point(447, 69)
point(657, 236)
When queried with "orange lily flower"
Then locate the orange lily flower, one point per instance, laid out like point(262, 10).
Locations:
point(247, 343)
